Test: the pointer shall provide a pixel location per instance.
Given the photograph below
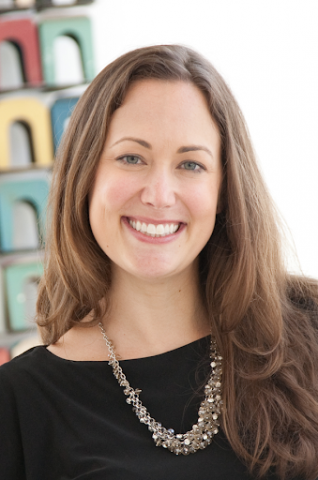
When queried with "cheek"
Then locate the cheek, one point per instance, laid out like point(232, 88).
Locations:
point(203, 201)
point(117, 194)
point(112, 196)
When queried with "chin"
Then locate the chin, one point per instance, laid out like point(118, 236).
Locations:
point(153, 274)
point(157, 270)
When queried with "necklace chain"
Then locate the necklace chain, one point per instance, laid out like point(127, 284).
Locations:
point(201, 434)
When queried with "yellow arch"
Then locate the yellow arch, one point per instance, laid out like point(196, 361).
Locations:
point(35, 114)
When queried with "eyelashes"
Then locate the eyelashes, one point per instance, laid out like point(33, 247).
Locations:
point(130, 159)
point(191, 166)
point(187, 165)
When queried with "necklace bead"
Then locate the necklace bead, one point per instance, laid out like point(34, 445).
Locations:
point(201, 434)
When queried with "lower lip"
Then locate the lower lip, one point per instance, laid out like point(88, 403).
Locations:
point(154, 240)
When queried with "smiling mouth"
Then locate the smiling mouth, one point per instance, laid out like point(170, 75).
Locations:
point(151, 230)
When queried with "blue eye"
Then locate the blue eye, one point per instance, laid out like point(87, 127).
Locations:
point(130, 159)
point(191, 166)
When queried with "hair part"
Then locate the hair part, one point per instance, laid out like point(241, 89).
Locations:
point(262, 316)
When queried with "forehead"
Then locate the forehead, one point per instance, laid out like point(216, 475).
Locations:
point(165, 90)
point(164, 107)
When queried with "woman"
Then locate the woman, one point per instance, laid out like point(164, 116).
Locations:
point(163, 233)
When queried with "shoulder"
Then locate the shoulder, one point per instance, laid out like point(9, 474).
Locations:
point(22, 363)
point(27, 357)
point(18, 379)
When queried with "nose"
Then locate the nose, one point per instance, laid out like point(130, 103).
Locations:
point(159, 189)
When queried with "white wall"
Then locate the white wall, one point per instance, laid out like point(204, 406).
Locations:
point(267, 51)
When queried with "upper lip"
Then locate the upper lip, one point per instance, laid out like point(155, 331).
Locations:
point(163, 221)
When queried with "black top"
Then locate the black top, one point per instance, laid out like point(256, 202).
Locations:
point(61, 419)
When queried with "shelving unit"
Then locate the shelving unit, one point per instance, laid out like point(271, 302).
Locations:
point(32, 120)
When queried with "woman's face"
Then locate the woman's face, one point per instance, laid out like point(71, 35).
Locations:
point(156, 193)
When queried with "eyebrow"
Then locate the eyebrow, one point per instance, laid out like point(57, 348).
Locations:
point(194, 148)
point(184, 149)
point(143, 143)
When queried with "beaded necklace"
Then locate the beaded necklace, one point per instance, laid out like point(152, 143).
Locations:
point(201, 434)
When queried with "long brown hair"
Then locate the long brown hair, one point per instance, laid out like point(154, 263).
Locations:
point(263, 317)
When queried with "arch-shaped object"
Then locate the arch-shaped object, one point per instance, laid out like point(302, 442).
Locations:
point(17, 277)
point(11, 66)
point(21, 145)
point(78, 28)
point(60, 113)
point(68, 69)
point(36, 115)
point(23, 33)
point(33, 191)
point(25, 229)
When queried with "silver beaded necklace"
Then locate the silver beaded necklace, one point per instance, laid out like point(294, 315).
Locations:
point(201, 434)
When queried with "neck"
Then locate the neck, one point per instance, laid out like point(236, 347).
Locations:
point(148, 318)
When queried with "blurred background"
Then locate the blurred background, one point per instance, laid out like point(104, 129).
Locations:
point(267, 51)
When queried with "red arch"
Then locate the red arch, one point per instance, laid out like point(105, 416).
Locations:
point(24, 33)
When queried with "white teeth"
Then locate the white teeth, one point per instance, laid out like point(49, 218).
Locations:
point(173, 228)
point(154, 230)
point(160, 230)
point(151, 229)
